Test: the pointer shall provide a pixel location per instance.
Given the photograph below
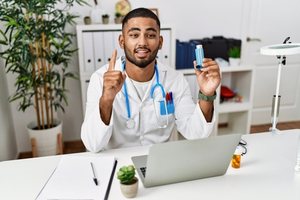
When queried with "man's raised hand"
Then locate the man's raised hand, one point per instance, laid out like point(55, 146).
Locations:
point(113, 80)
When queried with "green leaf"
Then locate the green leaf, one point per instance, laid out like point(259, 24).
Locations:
point(126, 174)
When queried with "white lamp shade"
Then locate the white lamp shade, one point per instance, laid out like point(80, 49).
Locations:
point(281, 49)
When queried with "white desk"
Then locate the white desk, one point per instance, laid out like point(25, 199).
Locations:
point(267, 172)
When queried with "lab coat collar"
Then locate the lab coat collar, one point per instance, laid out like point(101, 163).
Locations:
point(162, 69)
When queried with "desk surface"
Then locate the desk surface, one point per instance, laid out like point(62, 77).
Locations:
point(267, 172)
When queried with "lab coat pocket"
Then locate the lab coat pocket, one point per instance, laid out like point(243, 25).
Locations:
point(154, 116)
point(163, 111)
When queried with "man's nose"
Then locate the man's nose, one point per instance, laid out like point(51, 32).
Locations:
point(142, 40)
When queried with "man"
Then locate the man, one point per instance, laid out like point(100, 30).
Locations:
point(122, 106)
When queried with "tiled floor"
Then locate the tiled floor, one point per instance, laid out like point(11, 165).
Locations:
point(77, 146)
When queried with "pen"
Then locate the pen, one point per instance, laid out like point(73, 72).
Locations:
point(171, 97)
point(167, 97)
point(94, 178)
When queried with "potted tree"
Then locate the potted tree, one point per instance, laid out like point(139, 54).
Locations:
point(128, 181)
point(37, 51)
point(234, 54)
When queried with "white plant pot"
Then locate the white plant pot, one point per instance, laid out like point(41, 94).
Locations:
point(234, 61)
point(130, 191)
point(46, 140)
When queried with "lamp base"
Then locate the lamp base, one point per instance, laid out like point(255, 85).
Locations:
point(274, 131)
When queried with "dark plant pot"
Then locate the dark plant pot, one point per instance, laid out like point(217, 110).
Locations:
point(87, 20)
point(118, 20)
point(105, 20)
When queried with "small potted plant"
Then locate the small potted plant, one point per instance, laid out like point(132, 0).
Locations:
point(234, 54)
point(105, 18)
point(118, 18)
point(128, 181)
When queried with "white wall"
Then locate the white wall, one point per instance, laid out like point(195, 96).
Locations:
point(190, 18)
point(271, 22)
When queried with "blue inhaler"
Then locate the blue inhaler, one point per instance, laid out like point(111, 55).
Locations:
point(199, 56)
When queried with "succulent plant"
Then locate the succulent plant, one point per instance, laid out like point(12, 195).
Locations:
point(126, 174)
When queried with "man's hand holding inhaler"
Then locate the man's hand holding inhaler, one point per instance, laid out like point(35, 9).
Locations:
point(208, 77)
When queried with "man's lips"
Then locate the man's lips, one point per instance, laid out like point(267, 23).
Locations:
point(142, 52)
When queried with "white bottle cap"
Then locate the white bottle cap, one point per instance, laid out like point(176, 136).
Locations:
point(238, 151)
point(199, 46)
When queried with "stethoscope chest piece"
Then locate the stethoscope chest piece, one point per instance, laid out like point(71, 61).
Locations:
point(130, 123)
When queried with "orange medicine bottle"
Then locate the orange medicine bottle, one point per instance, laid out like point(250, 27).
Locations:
point(236, 158)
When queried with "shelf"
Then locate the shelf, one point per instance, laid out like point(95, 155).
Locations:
point(223, 69)
point(226, 131)
point(234, 107)
point(236, 69)
point(235, 122)
point(97, 27)
point(236, 115)
point(186, 71)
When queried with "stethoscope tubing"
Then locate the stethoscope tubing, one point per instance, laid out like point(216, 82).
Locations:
point(127, 101)
point(158, 84)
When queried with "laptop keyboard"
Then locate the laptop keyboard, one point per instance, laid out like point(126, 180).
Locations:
point(143, 170)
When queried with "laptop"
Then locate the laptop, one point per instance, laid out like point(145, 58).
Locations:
point(186, 160)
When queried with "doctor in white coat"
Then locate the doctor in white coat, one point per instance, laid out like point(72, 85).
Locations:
point(136, 100)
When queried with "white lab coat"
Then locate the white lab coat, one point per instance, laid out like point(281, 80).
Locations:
point(187, 119)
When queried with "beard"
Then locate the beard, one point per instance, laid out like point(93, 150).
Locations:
point(144, 62)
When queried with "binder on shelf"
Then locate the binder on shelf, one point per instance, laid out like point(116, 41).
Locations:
point(74, 178)
point(179, 55)
point(215, 47)
point(191, 55)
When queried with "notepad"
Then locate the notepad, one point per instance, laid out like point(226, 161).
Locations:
point(73, 178)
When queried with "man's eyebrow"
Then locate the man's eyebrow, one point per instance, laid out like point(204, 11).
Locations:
point(151, 29)
point(134, 29)
point(138, 29)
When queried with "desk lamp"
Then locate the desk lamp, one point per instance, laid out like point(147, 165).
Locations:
point(280, 51)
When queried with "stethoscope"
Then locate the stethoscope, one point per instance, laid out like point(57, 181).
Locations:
point(130, 123)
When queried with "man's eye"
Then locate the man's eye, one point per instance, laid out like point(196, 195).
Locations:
point(151, 35)
point(134, 35)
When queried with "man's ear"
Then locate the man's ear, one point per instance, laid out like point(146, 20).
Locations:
point(121, 41)
point(161, 39)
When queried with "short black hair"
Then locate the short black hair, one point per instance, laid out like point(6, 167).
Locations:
point(140, 12)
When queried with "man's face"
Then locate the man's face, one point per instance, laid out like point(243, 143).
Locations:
point(141, 41)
